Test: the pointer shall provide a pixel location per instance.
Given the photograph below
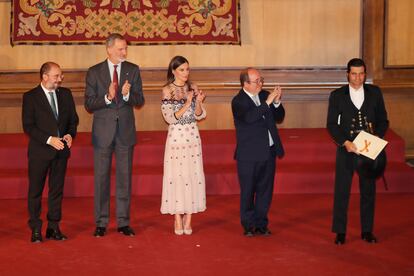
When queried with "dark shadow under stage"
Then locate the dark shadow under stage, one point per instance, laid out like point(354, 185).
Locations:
point(301, 243)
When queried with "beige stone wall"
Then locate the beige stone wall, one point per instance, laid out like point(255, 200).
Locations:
point(274, 33)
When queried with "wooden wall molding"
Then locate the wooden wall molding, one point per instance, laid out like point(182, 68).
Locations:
point(219, 84)
point(387, 33)
point(374, 46)
point(305, 93)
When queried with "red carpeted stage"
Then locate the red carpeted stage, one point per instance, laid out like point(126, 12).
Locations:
point(301, 243)
point(307, 167)
point(300, 217)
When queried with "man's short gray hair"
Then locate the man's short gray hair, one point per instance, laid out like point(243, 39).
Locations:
point(111, 39)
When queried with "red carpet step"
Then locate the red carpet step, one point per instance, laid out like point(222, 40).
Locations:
point(307, 167)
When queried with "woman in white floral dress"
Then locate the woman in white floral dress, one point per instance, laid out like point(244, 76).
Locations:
point(183, 187)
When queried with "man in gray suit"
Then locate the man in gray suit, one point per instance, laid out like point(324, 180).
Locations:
point(113, 88)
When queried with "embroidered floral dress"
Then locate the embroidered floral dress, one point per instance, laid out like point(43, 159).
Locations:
point(183, 187)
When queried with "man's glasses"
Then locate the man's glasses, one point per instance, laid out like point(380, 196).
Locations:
point(57, 76)
point(258, 81)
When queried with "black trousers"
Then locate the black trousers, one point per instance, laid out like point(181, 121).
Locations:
point(343, 181)
point(256, 191)
point(38, 170)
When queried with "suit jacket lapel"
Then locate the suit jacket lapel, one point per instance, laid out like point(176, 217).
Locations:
point(247, 98)
point(59, 102)
point(124, 73)
point(43, 100)
point(105, 75)
point(367, 99)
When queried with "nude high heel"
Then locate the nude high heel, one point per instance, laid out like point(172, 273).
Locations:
point(178, 232)
point(186, 231)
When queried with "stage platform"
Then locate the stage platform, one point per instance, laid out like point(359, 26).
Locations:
point(301, 243)
point(307, 167)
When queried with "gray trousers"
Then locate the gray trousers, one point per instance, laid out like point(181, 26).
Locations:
point(102, 170)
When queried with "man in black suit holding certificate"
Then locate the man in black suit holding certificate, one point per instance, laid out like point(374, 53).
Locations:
point(256, 113)
point(353, 108)
point(50, 119)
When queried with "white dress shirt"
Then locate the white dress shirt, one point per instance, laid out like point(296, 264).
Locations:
point(357, 96)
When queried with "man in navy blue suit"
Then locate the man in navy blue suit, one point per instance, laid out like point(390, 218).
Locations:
point(256, 112)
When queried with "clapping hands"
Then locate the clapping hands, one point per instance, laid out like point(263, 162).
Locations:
point(275, 96)
point(125, 88)
point(200, 96)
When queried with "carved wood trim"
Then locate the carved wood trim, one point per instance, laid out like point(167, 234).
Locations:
point(374, 46)
point(385, 44)
point(219, 84)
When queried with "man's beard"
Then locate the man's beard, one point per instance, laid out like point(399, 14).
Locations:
point(55, 86)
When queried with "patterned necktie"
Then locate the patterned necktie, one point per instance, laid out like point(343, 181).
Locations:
point(53, 104)
point(115, 81)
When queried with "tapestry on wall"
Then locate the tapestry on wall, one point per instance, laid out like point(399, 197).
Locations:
point(140, 21)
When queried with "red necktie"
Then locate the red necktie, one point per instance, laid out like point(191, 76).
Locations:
point(115, 81)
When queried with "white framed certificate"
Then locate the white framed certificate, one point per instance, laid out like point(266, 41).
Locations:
point(369, 145)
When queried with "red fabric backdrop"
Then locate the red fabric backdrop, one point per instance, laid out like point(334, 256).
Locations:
point(140, 21)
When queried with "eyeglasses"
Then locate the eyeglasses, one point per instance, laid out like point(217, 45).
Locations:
point(57, 76)
point(257, 82)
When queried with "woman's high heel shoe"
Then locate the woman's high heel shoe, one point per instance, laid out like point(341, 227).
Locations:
point(178, 232)
point(188, 231)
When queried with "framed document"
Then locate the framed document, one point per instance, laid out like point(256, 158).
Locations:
point(369, 145)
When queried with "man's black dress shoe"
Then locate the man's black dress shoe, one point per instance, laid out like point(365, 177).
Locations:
point(340, 239)
point(99, 232)
point(262, 231)
point(368, 237)
point(36, 236)
point(126, 230)
point(55, 234)
point(248, 232)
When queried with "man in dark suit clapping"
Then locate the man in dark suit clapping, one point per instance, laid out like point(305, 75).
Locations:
point(256, 113)
point(113, 88)
point(50, 119)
